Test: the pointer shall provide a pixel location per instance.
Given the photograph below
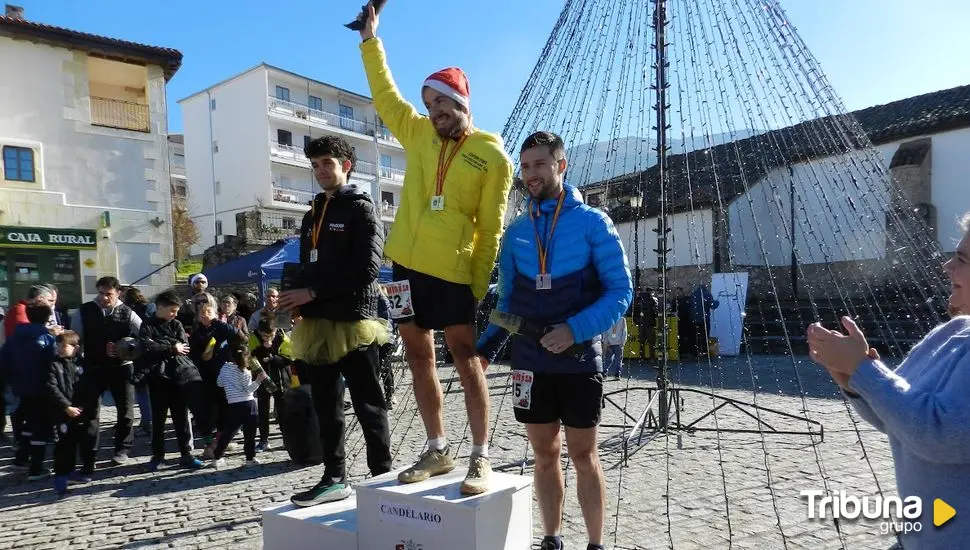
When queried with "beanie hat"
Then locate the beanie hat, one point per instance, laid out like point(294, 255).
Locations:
point(451, 82)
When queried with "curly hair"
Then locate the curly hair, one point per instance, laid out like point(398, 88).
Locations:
point(333, 146)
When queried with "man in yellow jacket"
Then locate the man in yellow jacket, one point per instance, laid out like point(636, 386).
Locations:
point(443, 244)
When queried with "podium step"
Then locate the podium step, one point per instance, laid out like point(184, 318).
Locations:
point(330, 526)
point(433, 515)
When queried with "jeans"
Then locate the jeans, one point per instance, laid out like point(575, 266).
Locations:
point(170, 397)
point(360, 369)
point(142, 396)
point(614, 360)
point(93, 383)
point(262, 400)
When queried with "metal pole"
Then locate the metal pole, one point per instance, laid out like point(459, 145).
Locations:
point(661, 85)
point(212, 164)
point(376, 189)
point(794, 255)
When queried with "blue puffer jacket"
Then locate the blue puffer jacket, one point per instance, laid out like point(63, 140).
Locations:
point(591, 285)
point(26, 358)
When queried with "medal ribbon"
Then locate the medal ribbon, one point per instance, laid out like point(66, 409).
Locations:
point(543, 251)
point(444, 166)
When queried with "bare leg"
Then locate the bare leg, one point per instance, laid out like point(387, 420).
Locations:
point(461, 342)
point(590, 483)
point(549, 483)
point(419, 349)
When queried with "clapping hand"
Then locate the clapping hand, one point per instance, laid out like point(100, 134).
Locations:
point(839, 353)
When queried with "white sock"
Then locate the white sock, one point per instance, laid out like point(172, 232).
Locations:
point(438, 443)
point(480, 450)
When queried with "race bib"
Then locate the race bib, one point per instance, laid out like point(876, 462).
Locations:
point(399, 294)
point(522, 389)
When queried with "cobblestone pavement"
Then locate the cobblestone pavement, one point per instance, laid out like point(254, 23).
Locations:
point(701, 490)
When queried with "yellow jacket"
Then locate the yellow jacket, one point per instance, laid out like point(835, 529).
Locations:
point(460, 243)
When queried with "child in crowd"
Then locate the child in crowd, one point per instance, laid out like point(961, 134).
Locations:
point(62, 386)
point(209, 350)
point(271, 347)
point(173, 380)
point(238, 383)
point(26, 359)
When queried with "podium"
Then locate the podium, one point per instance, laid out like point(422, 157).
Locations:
point(330, 526)
point(431, 515)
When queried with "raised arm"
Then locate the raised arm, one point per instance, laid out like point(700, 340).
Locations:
point(401, 117)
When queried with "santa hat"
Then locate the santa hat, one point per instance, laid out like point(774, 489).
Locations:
point(451, 82)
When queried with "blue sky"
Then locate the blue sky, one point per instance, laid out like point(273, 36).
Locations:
point(873, 51)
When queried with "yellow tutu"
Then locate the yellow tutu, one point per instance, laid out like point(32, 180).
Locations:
point(324, 342)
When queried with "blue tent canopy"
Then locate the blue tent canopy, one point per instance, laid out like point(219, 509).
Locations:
point(265, 265)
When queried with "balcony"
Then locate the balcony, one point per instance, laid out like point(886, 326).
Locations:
point(293, 155)
point(330, 121)
point(115, 113)
point(291, 197)
point(388, 211)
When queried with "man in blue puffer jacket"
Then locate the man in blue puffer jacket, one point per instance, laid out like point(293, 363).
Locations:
point(561, 266)
point(26, 358)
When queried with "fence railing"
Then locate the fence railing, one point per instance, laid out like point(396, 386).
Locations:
point(291, 196)
point(327, 118)
point(115, 113)
point(388, 210)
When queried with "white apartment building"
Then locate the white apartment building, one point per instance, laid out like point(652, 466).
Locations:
point(84, 184)
point(176, 162)
point(244, 140)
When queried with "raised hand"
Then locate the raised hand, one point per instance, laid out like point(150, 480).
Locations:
point(370, 25)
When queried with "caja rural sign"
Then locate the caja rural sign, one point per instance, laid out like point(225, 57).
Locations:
point(41, 237)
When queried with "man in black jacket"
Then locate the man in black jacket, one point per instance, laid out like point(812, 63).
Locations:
point(341, 246)
point(100, 324)
point(174, 381)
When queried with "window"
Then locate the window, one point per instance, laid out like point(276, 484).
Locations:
point(315, 103)
point(289, 223)
point(306, 141)
point(212, 104)
point(218, 227)
point(387, 197)
point(18, 163)
point(284, 137)
point(346, 117)
point(385, 166)
point(282, 93)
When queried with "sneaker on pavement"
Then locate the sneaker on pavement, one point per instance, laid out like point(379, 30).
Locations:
point(220, 464)
point(191, 463)
point(252, 462)
point(263, 446)
point(39, 475)
point(479, 472)
point(120, 458)
point(60, 485)
point(155, 463)
point(432, 463)
point(232, 447)
point(552, 543)
point(80, 478)
point(326, 491)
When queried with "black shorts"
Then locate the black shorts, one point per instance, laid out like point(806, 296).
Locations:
point(437, 303)
point(574, 399)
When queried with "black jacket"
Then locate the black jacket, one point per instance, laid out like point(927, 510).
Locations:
point(100, 329)
point(62, 386)
point(200, 339)
point(350, 251)
point(158, 360)
point(273, 359)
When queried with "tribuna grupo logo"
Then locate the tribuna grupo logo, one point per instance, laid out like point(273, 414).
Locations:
point(901, 515)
